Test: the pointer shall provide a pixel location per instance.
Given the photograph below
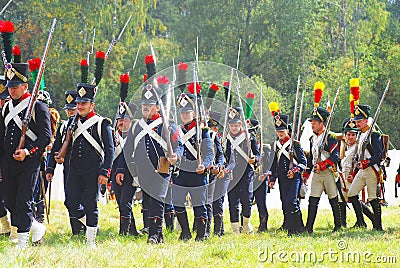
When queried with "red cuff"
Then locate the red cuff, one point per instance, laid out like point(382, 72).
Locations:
point(33, 150)
point(109, 173)
point(322, 165)
point(365, 164)
point(398, 178)
point(306, 175)
point(295, 169)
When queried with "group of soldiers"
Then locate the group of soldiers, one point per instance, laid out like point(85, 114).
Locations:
point(202, 157)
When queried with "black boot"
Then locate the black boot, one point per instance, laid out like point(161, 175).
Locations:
point(359, 212)
point(208, 228)
point(312, 213)
point(201, 229)
point(132, 227)
point(145, 229)
point(169, 221)
point(183, 221)
point(295, 223)
point(194, 227)
point(284, 224)
point(155, 231)
point(337, 219)
point(38, 210)
point(77, 227)
point(124, 224)
point(377, 208)
point(263, 224)
point(219, 225)
point(367, 212)
point(343, 213)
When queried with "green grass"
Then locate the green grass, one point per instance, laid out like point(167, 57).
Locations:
point(322, 248)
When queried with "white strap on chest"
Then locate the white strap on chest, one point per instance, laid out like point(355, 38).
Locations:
point(236, 145)
point(147, 129)
point(82, 129)
point(121, 144)
point(13, 115)
point(316, 141)
point(63, 127)
point(185, 139)
point(282, 149)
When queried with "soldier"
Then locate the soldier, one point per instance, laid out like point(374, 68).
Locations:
point(146, 147)
point(70, 110)
point(246, 153)
point(192, 169)
point(217, 172)
point(90, 159)
point(367, 169)
point(21, 166)
point(323, 178)
point(289, 177)
point(124, 190)
point(5, 223)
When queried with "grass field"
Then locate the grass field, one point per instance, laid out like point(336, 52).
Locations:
point(322, 249)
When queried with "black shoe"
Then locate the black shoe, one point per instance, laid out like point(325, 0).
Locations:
point(377, 208)
point(336, 213)
point(183, 221)
point(77, 227)
point(263, 224)
point(359, 212)
point(295, 223)
point(312, 213)
point(201, 229)
point(132, 228)
point(155, 231)
point(124, 224)
point(218, 225)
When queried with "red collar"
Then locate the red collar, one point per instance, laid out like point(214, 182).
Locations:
point(26, 95)
point(285, 140)
point(154, 117)
point(190, 125)
point(91, 114)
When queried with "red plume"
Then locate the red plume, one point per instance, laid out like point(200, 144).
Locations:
point(16, 51)
point(124, 78)
point(100, 54)
point(34, 64)
point(318, 95)
point(214, 87)
point(226, 84)
point(163, 80)
point(148, 59)
point(144, 77)
point(191, 88)
point(352, 107)
point(84, 63)
point(182, 66)
point(355, 91)
point(250, 95)
point(7, 27)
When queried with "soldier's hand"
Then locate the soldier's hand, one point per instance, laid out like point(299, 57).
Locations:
point(19, 155)
point(262, 177)
point(305, 181)
point(58, 159)
point(200, 169)
point(271, 185)
point(290, 174)
point(172, 159)
point(251, 160)
point(102, 179)
point(350, 178)
point(317, 168)
point(49, 177)
point(215, 170)
point(119, 178)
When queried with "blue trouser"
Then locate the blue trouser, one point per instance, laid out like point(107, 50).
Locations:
point(240, 193)
point(82, 193)
point(288, 189)
point(18, 192)
point(153, 205)
point(196, 186)
point(168, 205)
point(124, 194)
point(221, 187)
point(260, 195)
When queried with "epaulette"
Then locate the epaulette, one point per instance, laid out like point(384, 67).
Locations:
point(332, 135)
point(107, 119)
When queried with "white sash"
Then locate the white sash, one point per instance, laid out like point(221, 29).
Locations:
point(148, 129)
point(235, 145)
point(282, 150)
point(118, 149)
point(13, 115)
point(82, 129)
point(185, 140)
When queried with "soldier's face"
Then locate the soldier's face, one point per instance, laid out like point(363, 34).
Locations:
point(214, 128)
point(361, 123)
point(2, 102)
point(70, 112)
point(351, 137)
point(148, 110)
point(317, 126)
point(16, 92)
point(282, 134)
point(187, 117)
point(84, 108)
point(235, 128)
point(124, 124)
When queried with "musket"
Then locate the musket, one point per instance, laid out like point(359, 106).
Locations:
point(300, 114)
point(198, 128)
point(153, 54)
point(173, 91)
point(35, 91)
point(260, 163)
point(5, 7)
point(228, 99)
point(376, 116)
point(92, 47)
point(327, 129)
point(63, 150)
point(294, 124)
